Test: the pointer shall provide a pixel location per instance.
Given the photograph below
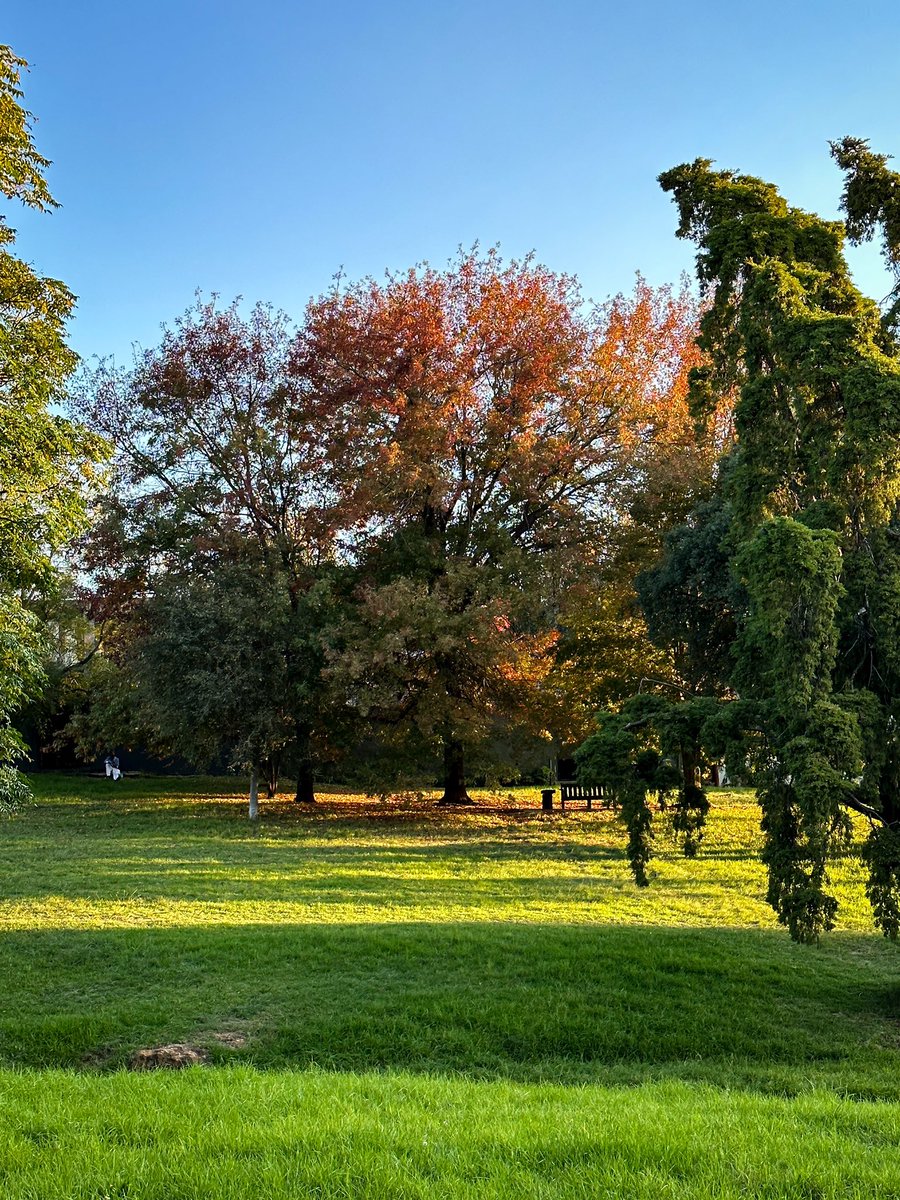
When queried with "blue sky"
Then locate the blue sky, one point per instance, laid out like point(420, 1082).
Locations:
point(255, 149)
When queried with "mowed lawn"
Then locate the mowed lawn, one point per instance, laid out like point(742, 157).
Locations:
point(400, 1001)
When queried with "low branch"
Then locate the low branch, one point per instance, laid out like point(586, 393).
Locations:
point(82, 662)
point(865, 810)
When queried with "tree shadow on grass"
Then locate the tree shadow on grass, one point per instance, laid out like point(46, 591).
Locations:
point(550, 1002)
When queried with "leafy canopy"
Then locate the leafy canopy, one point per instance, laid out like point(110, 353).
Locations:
point(47, 464)
point(781, 596)
point(487, 427)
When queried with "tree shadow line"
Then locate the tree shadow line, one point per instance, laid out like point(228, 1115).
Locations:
point(565, 1002)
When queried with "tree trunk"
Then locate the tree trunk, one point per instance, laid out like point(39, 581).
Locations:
point(270, 773)
point(305, 777)
point(254, 795)
point(306, 793)
point(454, 774)
point(690, 767)
point(689, 817)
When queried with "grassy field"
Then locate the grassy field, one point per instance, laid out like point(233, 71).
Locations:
point(398, 1001)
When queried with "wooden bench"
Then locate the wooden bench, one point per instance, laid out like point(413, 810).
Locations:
point(574, 791)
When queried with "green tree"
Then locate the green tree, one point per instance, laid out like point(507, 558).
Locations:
point(871, 201)
point(217, 544)
point(810, 499)
point(214, 666)
point(47, 464)
point(691, 601)
point(651, 746)
point(669, 468)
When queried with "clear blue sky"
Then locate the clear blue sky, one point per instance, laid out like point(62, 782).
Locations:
point(256, 148)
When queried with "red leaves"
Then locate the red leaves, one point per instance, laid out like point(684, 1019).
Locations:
point(461, 389)
point(463, 437)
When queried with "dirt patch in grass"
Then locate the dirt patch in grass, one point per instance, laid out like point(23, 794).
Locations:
point(172, 1057)
point(231, 1039)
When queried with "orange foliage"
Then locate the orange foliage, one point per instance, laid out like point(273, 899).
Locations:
point(491, 388)
point(489, 425)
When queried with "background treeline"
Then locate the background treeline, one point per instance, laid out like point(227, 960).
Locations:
point(395, 537)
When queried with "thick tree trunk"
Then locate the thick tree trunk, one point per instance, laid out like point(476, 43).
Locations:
point(690, 768)
point(254, 795)
point(306, 793)
point(454, 774)
point(305, 777)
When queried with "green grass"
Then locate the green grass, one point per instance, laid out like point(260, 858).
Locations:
point(234, 1134)
point(431, 1004)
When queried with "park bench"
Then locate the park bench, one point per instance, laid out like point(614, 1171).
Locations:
point(574, 791)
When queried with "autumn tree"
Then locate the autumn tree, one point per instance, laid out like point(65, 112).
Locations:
point(428, 472)
point(484, 422)
point(668, 463)
point(212, 559)
point(805, 529)
point(47, 464)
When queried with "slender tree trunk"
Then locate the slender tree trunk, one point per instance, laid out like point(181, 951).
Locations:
point(305, 776)
point(254, 794)
point(454, 774)
point(690, 815)
point(270, 771)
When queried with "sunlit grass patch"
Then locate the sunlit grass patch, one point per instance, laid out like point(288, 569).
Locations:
point(147, 853)
point(495, 941)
